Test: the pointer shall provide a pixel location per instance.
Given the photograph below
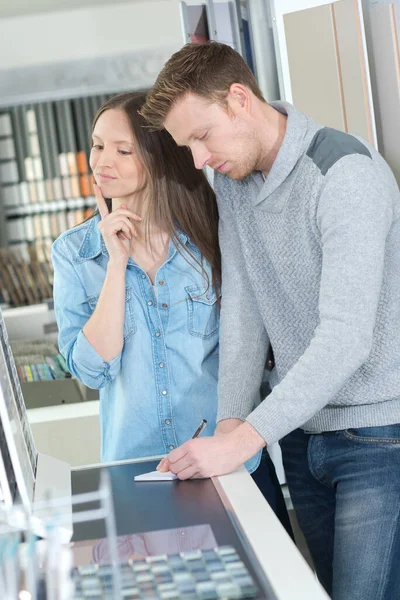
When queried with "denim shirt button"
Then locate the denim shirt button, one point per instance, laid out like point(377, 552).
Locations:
point(167, 422)
point(161, 365)
point(164, 305)
point(143, 276)
point(164, 392)
point(150, 303)
point(158, 334)
point(171, 447)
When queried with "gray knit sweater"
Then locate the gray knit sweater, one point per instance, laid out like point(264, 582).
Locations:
point(311, 262)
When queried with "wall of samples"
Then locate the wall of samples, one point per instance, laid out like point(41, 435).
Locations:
point(51, 89)
point(46, 188)
point(44, 149)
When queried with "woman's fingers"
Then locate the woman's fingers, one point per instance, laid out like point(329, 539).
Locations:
point(101, 203)
point(124, 210)
point(128, 230)
point(116, 223)
point(103, 209)
point(127, 213)
point(129, 226)
point(121, 236)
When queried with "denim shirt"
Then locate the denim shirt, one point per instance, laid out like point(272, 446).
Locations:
point(155, 393)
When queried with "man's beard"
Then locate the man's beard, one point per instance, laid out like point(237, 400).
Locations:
point(236, 174)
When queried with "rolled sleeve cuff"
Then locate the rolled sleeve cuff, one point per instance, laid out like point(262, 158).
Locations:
point(269, 420)
point(234, 406)
point(91, 363)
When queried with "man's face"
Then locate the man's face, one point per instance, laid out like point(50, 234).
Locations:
point(221, 137)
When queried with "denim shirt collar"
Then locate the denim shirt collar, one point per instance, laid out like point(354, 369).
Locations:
point(93, 243)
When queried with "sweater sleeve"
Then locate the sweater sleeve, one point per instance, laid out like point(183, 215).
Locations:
point(243, 339)
point(354, 216)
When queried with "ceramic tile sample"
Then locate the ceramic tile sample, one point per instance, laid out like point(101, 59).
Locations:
point(385, 49)
point(354, 69)
point(314, 66)
point(329, 66)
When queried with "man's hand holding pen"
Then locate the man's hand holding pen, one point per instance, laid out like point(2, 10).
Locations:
point(211, 456)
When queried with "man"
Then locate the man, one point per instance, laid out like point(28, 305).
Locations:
point(310, 242)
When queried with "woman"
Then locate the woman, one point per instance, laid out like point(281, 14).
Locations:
point(136, 290)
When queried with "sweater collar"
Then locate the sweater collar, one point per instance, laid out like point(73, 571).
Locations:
point(299, 132)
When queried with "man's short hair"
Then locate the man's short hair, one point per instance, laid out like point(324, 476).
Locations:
point(207, 70)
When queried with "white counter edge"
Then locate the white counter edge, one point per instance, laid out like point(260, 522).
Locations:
point(59, 412)
point(288, 573)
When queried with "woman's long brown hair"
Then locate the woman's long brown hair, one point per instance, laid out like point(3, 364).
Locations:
point(180, 196)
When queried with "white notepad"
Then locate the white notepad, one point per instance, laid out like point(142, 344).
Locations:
point(156, 476)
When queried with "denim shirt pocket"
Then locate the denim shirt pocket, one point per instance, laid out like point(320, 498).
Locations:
point(203, 311)
point(130, 321)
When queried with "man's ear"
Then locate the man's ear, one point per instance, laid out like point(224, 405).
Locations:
point(238, 96)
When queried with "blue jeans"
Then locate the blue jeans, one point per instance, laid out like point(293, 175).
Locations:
point(345, 488)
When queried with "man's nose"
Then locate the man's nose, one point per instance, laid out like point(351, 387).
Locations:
point(201, 157)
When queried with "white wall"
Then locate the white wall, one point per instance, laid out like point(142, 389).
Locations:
point(69, 432)
point(89, 32)
point(13, 8)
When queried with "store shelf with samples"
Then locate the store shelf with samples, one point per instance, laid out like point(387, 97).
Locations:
point(63, 413)
point(46, 108)
point(46, 159)
point(46, 188)
point(43, 374)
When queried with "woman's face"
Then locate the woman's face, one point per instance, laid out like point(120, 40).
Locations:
point(113, 159)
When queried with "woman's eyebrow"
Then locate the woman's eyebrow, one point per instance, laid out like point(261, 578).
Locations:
point(129, 142)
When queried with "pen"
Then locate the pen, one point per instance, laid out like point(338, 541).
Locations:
point(199, 429)
point(195, 435)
